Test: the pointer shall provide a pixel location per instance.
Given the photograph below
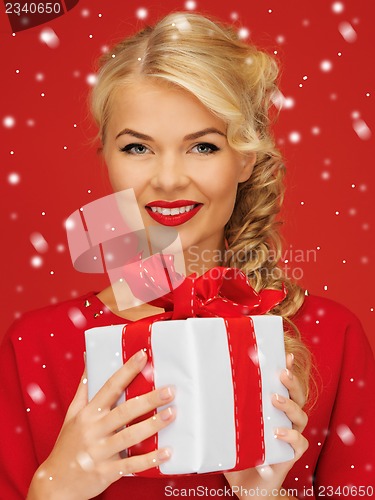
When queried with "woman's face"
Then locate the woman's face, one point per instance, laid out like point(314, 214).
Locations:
point(173, 152)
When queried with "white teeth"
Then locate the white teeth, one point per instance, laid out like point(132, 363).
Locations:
point(172, 211)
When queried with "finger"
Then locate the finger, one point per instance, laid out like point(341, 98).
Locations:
point(292, 383)
point(119, 468)
point(80, 399)
point(298, 442)
point(107, 396)
point(292, 410)
point(290, 361)
point(135, 407)
point(137, 433)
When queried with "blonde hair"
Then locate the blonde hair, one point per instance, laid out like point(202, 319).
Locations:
point(237, 82)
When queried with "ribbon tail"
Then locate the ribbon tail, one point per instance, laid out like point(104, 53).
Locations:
point(270, 299)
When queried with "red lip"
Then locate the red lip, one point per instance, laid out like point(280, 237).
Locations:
point(173, 220)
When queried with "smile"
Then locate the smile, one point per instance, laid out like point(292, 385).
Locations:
point(173, 213)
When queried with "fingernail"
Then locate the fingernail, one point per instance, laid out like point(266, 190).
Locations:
point(166, 393)
point(140, 356)
point(280, 398)
point(166, 414)
point(279, 432)
point(289, 373)
point(164, 454)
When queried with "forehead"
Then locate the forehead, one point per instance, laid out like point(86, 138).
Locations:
point(150, 103)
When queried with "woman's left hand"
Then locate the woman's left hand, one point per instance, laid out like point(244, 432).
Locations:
point(271, 478)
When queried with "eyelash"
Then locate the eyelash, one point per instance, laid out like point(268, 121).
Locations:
point(212, 147)
point(127, 149)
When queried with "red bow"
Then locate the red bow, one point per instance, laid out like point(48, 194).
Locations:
point(221, 291)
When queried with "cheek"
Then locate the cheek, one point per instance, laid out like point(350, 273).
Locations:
point(223, 196)
point(122, 178)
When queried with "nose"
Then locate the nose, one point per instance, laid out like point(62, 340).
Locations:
point(169, 174)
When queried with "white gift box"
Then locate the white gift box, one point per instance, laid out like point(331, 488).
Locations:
point(196, 356)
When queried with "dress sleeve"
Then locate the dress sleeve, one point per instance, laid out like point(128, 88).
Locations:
point(17, 454)
point(348, 457)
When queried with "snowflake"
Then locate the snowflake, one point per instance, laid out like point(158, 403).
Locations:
point(141, 13)
point(337, 7)
point(76, 317)
point(361, 129)
point(91, 79)
point(14, 178)
point(36, 261)
point(49, 37)
point(35, 393)
point(347, 32)
point(243, 33)
point(190, 5)
point(38, 242)
point(294, 137)
point(326, 65)
point(9, 121)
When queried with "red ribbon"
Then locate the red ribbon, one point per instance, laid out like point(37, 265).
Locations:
point(221, 291)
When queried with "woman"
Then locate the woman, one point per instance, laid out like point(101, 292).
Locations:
point(183, 115)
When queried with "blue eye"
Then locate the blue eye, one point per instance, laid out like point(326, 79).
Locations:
point(206, 148)
point(134, 149)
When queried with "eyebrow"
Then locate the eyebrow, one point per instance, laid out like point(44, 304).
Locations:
point(189, 137)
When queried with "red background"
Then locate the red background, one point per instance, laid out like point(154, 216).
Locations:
point(330, 169)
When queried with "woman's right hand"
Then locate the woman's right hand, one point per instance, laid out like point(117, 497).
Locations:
point(86, 457)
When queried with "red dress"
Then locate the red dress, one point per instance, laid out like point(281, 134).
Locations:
point(41, 362)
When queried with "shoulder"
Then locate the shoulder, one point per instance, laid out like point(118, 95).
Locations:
point(331, 331)
point(327, 313)
point(65, 315)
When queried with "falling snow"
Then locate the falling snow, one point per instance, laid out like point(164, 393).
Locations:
point(91, 79)
point(190, 5)
point(337, 7)
point(243, 33)
point(38, 242)
point(141, 13)
point(49, 37)
point(294, 137)
point(282, 102)
point(14, 178)
point(36, 261)
point(35, 393)
point(345, 434)
point(9, 121)
point(347, 31)
point(77, 318)
point(361, 129)
point(326, 65)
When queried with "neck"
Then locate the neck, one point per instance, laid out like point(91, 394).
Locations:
point(196, 259)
